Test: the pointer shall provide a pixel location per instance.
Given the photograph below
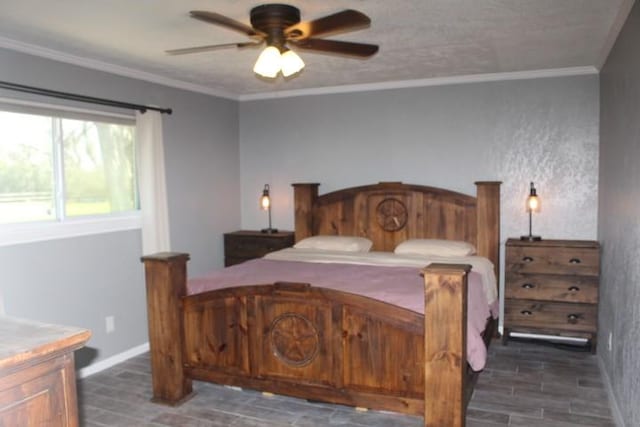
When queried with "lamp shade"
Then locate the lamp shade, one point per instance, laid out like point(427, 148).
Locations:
point(265, 199)
point(269, 62)
point(291, 63)
point(533, 201)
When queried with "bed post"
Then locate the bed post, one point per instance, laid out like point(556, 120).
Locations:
point(488, 221)
point(166, 283)
point(304, 196)
point(445, 344)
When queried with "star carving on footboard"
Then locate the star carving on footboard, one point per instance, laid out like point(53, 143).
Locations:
point(294, 339)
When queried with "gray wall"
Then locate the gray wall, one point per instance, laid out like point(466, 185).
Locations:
point(543, 130)
point(79, 281)
point(619, 213)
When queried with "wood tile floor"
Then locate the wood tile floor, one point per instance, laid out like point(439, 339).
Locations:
point(524, 385)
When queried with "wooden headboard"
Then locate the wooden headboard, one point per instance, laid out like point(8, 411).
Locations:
point(389, 213)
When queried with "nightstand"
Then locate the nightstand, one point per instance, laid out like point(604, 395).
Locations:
point(551, 288)
point(241, 246)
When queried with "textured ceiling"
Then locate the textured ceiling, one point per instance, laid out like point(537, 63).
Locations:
point(419, 39)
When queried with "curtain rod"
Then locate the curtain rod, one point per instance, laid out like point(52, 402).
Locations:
point(81, 98)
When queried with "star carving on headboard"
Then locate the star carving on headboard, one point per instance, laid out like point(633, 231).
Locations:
point(391, 214)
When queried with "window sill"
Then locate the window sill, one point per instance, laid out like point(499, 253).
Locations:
point(13, 234)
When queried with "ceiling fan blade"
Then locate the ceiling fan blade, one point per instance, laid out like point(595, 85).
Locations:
point(217, 19)
point(347, 20)
point(210, 47)
point(361, 50)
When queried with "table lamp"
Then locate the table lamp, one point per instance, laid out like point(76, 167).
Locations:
point(533, 205)
point(265, 205)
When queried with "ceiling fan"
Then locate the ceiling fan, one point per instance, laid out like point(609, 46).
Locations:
point(279, 26)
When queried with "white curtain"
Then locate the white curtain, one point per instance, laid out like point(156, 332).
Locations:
point(152, 183)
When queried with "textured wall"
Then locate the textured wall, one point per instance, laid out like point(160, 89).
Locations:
point(543, 130)
point(619, 213)
point(79, 281)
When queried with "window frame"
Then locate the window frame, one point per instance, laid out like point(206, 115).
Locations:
point(67, 227)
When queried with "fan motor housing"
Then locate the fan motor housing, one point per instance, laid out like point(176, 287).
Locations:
point(269, 17)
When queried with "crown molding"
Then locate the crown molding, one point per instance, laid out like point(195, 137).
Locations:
point(111, 68)
point(154, 78)
point(437, 81)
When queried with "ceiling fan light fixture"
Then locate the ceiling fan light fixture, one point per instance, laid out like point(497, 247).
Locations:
point(277, 25)
point(291, 63)
point(269, 62)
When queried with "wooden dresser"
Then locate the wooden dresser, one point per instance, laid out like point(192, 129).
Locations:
point(37, 373)
point(551, 288)
point(241, 246)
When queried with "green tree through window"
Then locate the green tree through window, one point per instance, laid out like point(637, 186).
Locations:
point(54, 168)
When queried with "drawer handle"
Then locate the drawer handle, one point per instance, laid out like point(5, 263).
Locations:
point(527, 259)
point(574, 289)
point(528, 285)
point(526, 313)
point(572, 317)
point(574, 261)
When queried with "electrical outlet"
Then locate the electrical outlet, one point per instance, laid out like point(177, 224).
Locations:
point(110, 324)
point(610, 340)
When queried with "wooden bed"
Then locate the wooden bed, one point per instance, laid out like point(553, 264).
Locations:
point(321, 344)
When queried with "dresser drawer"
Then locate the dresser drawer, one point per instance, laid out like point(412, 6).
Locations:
point(553, 260)
point(543, 287)
point(551, 316)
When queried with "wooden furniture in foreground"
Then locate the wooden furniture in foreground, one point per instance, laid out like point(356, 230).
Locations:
point(241, 246)
point(37, 373)
point(551, 288)
point(322, 344)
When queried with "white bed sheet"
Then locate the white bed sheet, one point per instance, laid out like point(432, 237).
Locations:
point(480, 265)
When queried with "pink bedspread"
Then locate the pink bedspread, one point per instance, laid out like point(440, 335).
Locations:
point(401, 286)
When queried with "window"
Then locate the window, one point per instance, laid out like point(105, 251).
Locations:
point(61, 167)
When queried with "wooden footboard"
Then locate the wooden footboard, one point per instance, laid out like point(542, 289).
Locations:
point(314, 343)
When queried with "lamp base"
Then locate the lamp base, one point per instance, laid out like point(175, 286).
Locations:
point(531, 238)
point(269, 230)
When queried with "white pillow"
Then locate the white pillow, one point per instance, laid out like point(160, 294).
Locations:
point(435, 247)
point(335, 243)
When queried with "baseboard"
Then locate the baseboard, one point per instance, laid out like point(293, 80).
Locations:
point(94, 368)
point(615, 410)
